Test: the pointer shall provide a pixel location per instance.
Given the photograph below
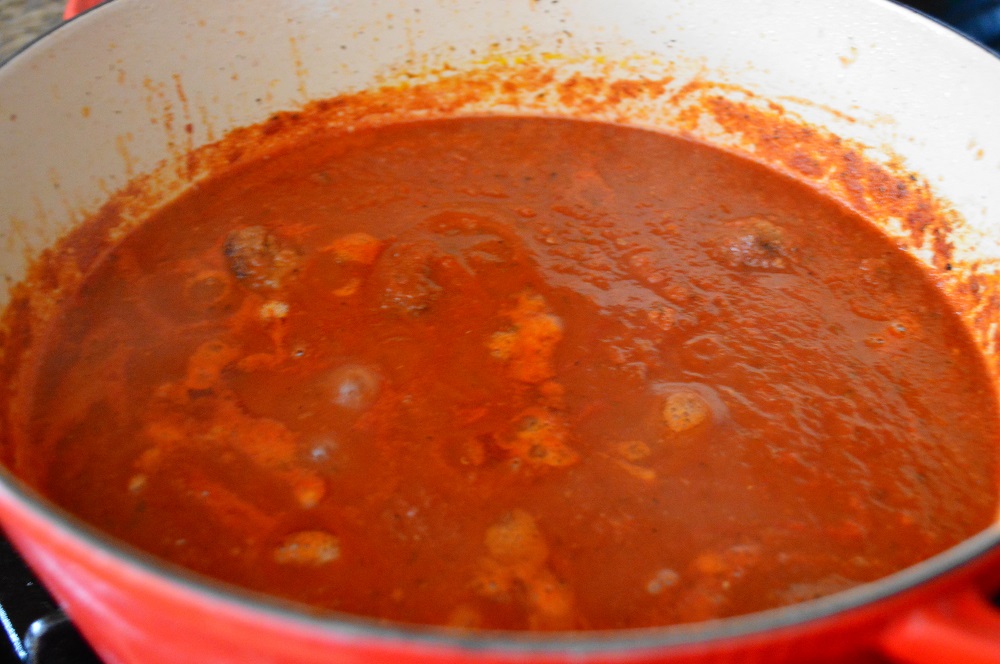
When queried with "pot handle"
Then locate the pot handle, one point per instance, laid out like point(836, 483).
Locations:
point(961, 627)
point(74, 7)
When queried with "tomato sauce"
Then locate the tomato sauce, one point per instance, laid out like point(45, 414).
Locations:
point(516, 373)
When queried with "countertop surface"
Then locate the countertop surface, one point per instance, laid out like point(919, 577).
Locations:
point(23, 20)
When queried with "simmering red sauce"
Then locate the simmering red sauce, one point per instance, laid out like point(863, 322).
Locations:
point(516, 373)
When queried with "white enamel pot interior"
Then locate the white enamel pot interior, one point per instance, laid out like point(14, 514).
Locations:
point(85, 110)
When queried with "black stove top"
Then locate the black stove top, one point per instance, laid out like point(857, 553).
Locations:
point(39, 633)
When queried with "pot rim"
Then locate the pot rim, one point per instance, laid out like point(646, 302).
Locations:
point(360, 628)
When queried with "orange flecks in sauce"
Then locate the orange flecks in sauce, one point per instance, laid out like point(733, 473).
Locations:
point(541, 440)
point(356, 248)
point(529, 345)
point(516, 571)
point(308, 547)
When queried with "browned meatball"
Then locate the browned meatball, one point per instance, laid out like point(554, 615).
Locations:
point(755, 244)
point(403, 276)
point(259, 259)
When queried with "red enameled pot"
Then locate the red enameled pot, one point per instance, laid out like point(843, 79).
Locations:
point(75, 126)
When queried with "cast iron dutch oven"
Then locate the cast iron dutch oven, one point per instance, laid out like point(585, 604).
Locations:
point(75, 124)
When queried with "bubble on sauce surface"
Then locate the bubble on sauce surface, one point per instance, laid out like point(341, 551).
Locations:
point(206, 289)
point(321, 449)
point(354, 386)
point(308, 547)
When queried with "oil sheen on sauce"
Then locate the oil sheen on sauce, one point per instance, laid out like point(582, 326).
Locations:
point(516, 373)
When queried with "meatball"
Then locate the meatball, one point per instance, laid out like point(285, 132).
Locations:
point(403, 276)
point(755, 244)
point(259, 259)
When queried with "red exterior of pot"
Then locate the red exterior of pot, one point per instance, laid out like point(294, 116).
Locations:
point(74, 7)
